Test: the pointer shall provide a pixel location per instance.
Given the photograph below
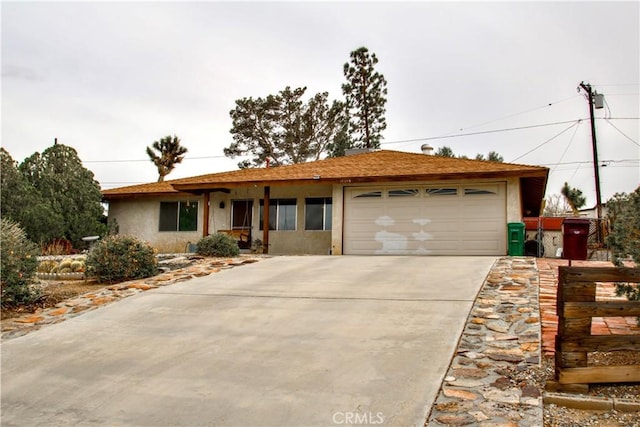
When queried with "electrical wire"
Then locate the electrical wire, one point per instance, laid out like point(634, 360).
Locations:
point(483, 132)
point(567, 147)
point(547, 141)
point(147, 160)
point(622, 133)
point(514, 115)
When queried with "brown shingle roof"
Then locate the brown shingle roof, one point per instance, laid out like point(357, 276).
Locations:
point(381, 165)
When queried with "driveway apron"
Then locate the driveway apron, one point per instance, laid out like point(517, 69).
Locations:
point(287, 341)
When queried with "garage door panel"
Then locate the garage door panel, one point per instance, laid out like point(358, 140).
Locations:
point(466, 222)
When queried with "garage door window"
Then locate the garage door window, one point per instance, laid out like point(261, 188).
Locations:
point(368, 194)
point(478, 191)
point(411, 192)
point(282, 214)
point(179, 216)
point(442, 191)
point(317, 215)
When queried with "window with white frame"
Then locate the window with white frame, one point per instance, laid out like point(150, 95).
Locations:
point(282, 214)
point(317, 214)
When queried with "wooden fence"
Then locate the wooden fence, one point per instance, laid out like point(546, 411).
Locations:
point(576, 306)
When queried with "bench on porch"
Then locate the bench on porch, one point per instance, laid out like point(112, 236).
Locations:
point(241, 235)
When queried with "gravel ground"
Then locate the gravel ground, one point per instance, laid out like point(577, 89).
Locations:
point(559, 416)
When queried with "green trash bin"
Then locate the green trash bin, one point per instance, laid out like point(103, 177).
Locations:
point(515, 233)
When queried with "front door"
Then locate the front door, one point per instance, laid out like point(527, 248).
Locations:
point(241, 218)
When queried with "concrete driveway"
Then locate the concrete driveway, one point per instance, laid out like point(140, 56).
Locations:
point(288, 341)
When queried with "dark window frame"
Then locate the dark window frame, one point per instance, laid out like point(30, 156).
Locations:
point(326, 214)
point(279, 220)
point(178, 216)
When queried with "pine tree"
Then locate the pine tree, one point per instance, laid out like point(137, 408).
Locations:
point(365, 95)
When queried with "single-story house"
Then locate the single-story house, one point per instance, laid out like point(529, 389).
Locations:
point(372, 202)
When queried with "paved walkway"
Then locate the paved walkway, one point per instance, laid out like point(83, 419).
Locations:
point(502, 334)
point(505, 332)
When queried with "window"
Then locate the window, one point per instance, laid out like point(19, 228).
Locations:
point(442, 191)
point(477, 191)
point(282, 214)
point(412, 192)
point(367, 194)
point(317, 215)
point(179, 216)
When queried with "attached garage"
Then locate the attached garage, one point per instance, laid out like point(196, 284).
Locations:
point(375, 202)
point(442, 219)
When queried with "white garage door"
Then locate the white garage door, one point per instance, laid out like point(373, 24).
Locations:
point(465, 219)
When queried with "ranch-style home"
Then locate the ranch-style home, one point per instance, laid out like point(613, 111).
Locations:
point(377, 202)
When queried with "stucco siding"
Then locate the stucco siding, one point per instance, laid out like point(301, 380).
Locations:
point(141, 218)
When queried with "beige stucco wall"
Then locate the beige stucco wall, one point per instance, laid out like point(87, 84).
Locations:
point(292, 242)
point(514, 202)
point(140, 217)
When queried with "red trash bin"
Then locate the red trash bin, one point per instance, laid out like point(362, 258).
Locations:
point(575, 234)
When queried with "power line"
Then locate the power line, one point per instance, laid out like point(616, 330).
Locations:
point(623, 134)
point(482, 132)
point(516, 114)
point(547, 141)
point(147, 160)
point(567, 147)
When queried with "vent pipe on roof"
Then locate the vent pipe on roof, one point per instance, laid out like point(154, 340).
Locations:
point(427, 149)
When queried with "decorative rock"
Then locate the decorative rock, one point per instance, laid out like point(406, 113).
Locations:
point(505, 358)
point(29, 319)
point(479, 415)
point(459, 394)
point(467, 383)
point(498, 326)
point(58, 312)
point(453, 406)
point(470, 373)
point(456, 420)
point(501, 383)
point(503, 396)
point(473, 355)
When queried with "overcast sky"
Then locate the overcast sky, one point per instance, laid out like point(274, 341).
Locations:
point(111, 78)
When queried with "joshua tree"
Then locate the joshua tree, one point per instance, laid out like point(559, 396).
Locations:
point(166, 154)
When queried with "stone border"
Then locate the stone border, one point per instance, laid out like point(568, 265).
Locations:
point(502, 333)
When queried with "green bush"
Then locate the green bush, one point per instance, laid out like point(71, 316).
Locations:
point(18, 265)
point(121, 258)
point(218, 245)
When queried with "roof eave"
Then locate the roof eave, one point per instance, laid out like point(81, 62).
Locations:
point(213, 186)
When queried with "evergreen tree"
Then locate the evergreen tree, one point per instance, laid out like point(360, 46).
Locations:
point(365, 95)
point(444, 152)
point(66, 197)
point(624, 239)
point(284, 128)
point(166, 154)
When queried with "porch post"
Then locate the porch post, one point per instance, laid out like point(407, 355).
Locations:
point(265, 220)
point(205, 220)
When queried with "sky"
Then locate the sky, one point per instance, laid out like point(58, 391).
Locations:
point(110, 78)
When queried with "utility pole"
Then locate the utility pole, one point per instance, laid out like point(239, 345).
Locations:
point(591, 94)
